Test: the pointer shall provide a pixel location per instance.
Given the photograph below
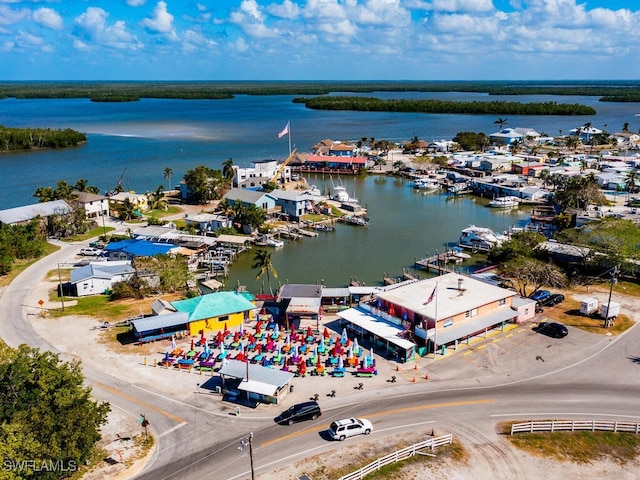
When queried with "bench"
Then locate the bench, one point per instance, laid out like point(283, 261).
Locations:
point(337, 374)
point(364, 374)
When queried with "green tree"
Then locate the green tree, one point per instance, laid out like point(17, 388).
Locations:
point(228, 172)
point(44, 194)
point(46, 410)
point(520, 245)
point(126, 210)
point(262, 262)
point(531, 272)
point(157, 200)
point(202, 184)
point(167, 175)
point(501, 122)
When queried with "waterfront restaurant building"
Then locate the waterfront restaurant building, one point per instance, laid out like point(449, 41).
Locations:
point(211, 312)
point(441, 311)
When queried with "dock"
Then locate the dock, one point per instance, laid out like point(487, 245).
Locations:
point(439, 262)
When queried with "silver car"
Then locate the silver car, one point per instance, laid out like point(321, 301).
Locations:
point(350, 427)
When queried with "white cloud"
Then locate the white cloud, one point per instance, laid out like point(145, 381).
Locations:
point(29, 41)
point(252, 9)
point(161, 21)
point(49, 18)
point(136, 3)
point(241, 45)
point(193, 40)
point(9, 16)
point(92, 25)
point(286, 9)
point(382, 12)
point(460, 6)
point(325, 10)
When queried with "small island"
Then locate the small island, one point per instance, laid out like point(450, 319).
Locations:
point(20, 139)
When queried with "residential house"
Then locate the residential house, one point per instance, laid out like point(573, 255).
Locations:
point(263, 171)
point(441, 146)
point(208, 222)
point(293, 203)
point(26, 213)
point(534, 194)
point(95, 206)
point(628, 139)
point(611, 180)
point(496, 163)
point(260, 199)
point(528, 169)
point(508, 136)
point(584, 133)
point(139, 201)
point(341, 150)
point(215, 311)
point(99, 277)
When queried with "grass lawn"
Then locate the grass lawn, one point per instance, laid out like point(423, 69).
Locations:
point(20, 266)
point(159, 213)
point(568, 312)
point(100, 307)
point(578, 447)
point(95, 232)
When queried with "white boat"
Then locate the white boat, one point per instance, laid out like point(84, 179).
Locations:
point(274, 242)
point(340, 195)
point(426, 183)
point(480, 238)
point(504, 202)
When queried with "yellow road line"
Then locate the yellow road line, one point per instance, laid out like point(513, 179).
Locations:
point(139, 402)
point(379, 414)
point(481, 347)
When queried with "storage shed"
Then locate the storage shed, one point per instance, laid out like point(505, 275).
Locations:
point(588, 306)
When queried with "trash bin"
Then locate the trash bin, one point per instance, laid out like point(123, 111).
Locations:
point(290, 388)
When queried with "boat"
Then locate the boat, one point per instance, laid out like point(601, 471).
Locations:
point(480, 238)
point(425, 184)
point(458, 253)
point(274, 242)
point(355, 220)
point(504, 202)
point(322, 227)
point(340, 195)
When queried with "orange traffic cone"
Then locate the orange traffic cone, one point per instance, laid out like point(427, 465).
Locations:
point(415, 366)
point(414, 380)
point(426, 376)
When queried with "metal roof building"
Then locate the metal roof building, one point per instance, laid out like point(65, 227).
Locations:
point(261, 383)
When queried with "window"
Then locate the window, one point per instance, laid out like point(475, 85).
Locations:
point(224, 318)
point(471, 313)
point(502, 301)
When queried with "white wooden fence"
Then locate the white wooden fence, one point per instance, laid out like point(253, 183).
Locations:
point(399, 455)
point(573, 425)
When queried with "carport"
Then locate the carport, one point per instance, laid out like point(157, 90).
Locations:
point(261, 384)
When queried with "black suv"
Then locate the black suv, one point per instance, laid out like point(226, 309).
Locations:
point(554, 299)
point(299, 412)
point(552, 329)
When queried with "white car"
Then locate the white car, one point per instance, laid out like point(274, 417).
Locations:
point(89, 252)
point(349, 427)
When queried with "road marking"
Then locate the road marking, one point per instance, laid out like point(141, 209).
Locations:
point(507, 336)
point(481, 347)
point(467, 353)
point(139, 402)
point(379, 414)
point(172, 429)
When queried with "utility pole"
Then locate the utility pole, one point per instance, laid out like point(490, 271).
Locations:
point(60, 287)
point(244, 444)
point(614, 278)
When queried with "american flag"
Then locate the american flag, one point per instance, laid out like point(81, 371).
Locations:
point(431, 297)
point(284, 131)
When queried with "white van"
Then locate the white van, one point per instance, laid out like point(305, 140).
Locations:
point(349, 427)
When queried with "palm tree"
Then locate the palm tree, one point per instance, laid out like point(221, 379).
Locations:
point(167, 174)
point(262, 261)
point(157, 200)
point(227, 169)
point(630, 181)
point(501, 122)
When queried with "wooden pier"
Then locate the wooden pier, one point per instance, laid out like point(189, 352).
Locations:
point(439, 262)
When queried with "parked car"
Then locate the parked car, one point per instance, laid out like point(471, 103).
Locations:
point(89, 252)
point(300, 412)
point(552, 329)
point(350, 427)
point(540, 295)
point(97, 244)
point(554, 299)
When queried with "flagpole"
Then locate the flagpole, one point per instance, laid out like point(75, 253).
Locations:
point(289, 128)
point(435, 325)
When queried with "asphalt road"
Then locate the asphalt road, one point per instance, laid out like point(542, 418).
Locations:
point(517, 376)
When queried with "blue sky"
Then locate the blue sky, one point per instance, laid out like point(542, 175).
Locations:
point(319, 39)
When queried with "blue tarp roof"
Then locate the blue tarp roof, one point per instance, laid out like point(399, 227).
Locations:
point(139, 247)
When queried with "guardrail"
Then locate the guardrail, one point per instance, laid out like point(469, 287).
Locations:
point(399, 455)
point(573, 425)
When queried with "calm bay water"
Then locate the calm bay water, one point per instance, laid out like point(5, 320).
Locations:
point(138, 140)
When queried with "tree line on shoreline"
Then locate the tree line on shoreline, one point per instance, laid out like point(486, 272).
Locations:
point(620, 91)
point(372, 104)
point(19, 139)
